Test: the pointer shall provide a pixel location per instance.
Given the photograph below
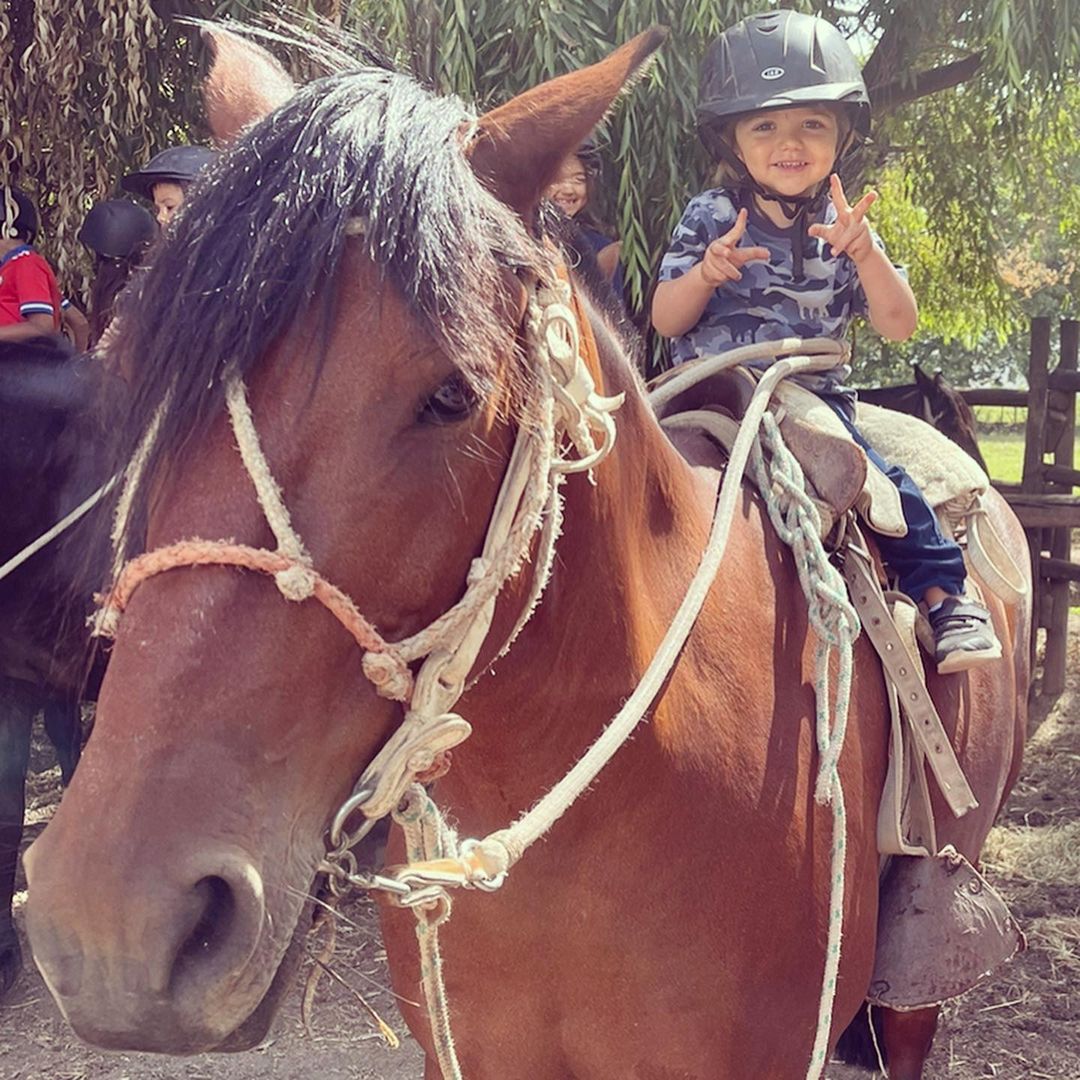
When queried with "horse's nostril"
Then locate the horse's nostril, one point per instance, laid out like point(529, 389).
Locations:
point(214, 923)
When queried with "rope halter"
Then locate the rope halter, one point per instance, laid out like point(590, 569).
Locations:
point(574, 430)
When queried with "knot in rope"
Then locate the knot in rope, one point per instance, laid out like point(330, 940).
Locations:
point(438, 861)
point(389, 675)
point(486, 862)
point(296, 583)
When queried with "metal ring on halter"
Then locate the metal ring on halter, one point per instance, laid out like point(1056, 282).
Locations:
point(344, 874)
point(339, 863)
point(338, 838)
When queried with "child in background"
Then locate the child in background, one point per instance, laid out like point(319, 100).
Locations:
point(572, 192)
point(165, 178)
point(776, 251)
point(30, 302)
point(119, 233)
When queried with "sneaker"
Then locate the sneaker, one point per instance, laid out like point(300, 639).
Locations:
point(963, 635)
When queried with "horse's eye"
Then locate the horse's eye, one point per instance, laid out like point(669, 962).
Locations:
point(452, 402)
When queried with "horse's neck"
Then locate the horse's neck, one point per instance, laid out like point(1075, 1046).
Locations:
point(629, 548)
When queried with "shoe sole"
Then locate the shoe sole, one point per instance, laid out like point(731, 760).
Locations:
point(962, 660)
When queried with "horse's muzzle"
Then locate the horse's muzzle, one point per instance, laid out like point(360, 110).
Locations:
point(176, 970)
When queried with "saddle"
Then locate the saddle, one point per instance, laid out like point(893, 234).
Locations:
point(841, 478)
point(970, 937)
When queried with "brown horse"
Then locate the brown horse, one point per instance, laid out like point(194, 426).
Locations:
point(673, 923)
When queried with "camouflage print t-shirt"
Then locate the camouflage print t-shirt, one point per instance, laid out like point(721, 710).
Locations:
point(767, 304)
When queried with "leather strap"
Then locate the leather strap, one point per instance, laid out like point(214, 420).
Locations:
point(906, 817)
point(904, 670)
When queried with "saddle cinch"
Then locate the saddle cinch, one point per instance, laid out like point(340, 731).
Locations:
point(920, 961)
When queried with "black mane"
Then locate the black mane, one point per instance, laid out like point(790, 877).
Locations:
point(265, 228)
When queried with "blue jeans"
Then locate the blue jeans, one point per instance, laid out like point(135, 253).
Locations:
point(924, 558)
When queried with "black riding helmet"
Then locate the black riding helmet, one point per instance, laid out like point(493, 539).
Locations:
point(177, 165)
point(18, 215)
point(117, 229)
point(779, 60)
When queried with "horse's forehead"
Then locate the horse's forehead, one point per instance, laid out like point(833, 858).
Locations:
point(383, 342)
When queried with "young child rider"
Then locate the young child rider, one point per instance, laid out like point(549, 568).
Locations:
point(776, 251)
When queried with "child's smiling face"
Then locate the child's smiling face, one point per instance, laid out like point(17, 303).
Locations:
point(570, 188)
point(788, 151)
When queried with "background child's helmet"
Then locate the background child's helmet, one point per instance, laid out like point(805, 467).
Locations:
point(117, 229)
point(177, 165)
point(776, 60)
point(18, 215)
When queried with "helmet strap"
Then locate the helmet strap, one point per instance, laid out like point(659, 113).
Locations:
point(798, 209)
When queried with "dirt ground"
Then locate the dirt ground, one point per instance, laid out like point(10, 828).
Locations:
point(1023, 1025)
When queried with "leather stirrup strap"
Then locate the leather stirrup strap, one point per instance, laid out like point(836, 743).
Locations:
point(905, 824)
point(901, 668)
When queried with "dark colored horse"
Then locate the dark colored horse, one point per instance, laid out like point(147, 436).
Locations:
point(936, 402)
point(50, 460)
point(366, 258)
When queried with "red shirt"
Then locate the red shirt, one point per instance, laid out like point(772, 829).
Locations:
point(27, 287)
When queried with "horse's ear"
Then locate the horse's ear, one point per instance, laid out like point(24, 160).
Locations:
point(520, 145)
point(922, 380)
point(245, 83)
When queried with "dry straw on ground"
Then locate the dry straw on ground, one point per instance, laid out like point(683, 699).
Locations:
point(1046, 853)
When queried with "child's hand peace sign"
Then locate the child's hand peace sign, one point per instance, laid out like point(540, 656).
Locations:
point(724, 258)
point(850, 233)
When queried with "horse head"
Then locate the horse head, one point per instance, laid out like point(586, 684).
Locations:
point(944, 407)
point(354, 277)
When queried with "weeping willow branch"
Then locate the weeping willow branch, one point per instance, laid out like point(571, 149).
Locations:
point(89, 89)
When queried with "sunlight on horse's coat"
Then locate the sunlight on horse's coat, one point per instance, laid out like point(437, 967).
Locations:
point(693, 878)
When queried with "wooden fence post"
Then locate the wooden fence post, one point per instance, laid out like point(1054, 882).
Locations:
point(1031, 481)
point(1038, 381)
point(1057, 628)
point(1044, 500)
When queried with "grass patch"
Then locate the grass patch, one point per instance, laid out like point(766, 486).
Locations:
point(1004, 455)
point(1059, 937)
point(1001, 439)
